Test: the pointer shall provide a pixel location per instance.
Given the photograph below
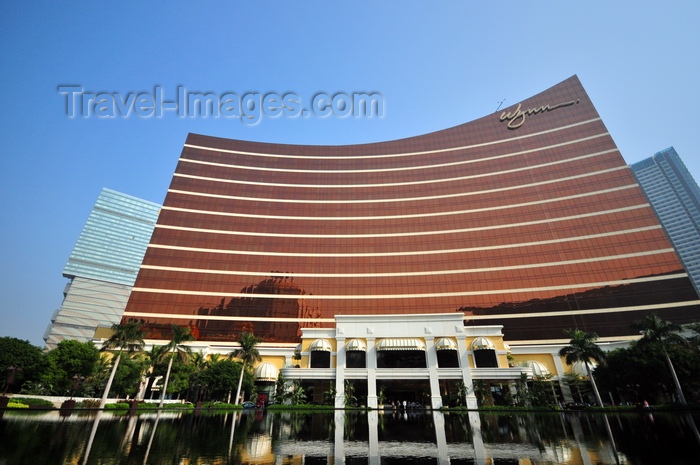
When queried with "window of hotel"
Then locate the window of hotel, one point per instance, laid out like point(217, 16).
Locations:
point(355, 354)
point(484, 353)
point(320, 354)
point(447, 353)
point(401, 353)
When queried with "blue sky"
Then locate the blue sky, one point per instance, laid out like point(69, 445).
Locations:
point(435, 64)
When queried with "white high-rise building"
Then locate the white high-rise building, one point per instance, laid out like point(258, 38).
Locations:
point(102, 267)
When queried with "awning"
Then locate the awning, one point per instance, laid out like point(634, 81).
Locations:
point(445, 343)
point(538, 369)
point(320, 345)
point(482, 343)
point(408, 343)
point(266, 372)
point(355, 345)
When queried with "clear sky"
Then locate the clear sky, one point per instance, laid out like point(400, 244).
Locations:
point(435, 64)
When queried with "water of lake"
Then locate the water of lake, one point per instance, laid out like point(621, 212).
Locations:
point(394, 437)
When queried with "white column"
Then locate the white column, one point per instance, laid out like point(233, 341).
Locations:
point(371, 374)
point(340, 374)
point(466, 371)
point(565, 390)
point(477, 438)
point(373, 423)
point(431, 358)
point(439, 422)
point(339, 446)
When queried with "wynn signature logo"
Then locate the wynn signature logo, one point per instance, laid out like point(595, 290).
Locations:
point(516, 118)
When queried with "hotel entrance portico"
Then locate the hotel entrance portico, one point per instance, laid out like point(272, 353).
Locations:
point(422, 359)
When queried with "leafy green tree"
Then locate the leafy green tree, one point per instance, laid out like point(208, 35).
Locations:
point(198, 361)
point(197, 364)
point(69, 359)
point(249, 354)
point(661, 333)
point(26, 360)
point(582, 348)
point(219, 377)
point(297, 394)
point(128, 336)
point(181, 375)
point(462, 392)
point(579, 386)
point(349, 397)
point(127, 378)
point(635, 373)
point(280, 388)
point(541, 392)
point(98, 378)
point(482, 391)
point(329, 396)
point(176, 347)
point(146, 361)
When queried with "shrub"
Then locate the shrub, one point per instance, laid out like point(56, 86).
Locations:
point(154, 406)
point(33, 402)
point(88, 403)
point(118, 406)
point(17, 405)
point(221, 405)
point(308, 407)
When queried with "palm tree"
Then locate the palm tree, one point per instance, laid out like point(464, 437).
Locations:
point(349, 398)
point(199, 362)
point(175, 347)
point(147, 361)
point(248, 353)
point(297, 394)
point(582, 348)
point(661, 333)
point(127, 336)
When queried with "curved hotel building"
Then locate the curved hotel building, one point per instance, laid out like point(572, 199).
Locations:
point(517, 225)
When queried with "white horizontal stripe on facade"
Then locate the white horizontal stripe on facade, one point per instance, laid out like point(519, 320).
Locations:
point(228, 318)
point(413, 273)
point(396, 184)
point(395, 169)
point(409, 253)
point(639, 308)
point(404, 234)
point(392, 155)
point(566, 287)
point(402, 199)
point(408, 216)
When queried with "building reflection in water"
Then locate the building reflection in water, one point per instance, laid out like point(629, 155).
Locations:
point(351, 437)
point(507, 442)
point(88, 446)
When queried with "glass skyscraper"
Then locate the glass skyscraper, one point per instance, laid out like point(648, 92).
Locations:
point(675, 196)
point(103, 266)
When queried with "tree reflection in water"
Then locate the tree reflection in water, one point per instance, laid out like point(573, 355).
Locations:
point(392, 436)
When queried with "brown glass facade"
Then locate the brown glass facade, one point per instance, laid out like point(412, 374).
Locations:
point(529, 218)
